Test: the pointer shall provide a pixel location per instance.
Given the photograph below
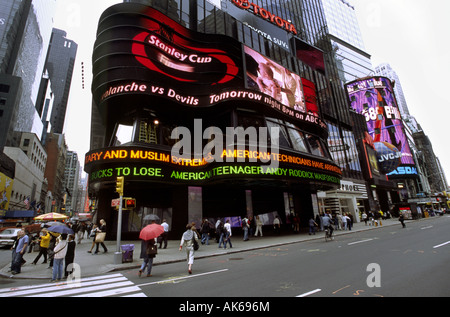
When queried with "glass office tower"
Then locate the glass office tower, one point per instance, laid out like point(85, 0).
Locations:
point(25, 30)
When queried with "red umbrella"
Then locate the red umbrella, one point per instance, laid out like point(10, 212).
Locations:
point(151, 232)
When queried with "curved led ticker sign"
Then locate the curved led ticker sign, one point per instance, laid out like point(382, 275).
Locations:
point(140, 164)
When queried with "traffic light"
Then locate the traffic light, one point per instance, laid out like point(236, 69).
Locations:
point(119, 185)
point(129, 203)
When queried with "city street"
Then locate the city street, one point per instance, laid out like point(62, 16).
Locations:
point(387, 262)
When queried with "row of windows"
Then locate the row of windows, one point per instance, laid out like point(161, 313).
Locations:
point(290, 136)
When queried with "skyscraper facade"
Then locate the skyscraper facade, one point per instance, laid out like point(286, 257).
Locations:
point(351, 57)
point(60, 64)
point(25, 30)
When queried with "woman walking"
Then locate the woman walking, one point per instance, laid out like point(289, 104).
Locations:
point(148, 253)
point(187, 241)
point(102, 230)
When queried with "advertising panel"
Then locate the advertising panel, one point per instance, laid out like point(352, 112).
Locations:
point(374, 98)
point(6, 185)
point(286, 87)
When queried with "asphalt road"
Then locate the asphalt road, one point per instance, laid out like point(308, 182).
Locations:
point(389, 262)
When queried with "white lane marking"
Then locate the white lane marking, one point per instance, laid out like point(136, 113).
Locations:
point(423, 228)
point(182, 278)
point(359, 241)
point(441, 245)
point(310, 293)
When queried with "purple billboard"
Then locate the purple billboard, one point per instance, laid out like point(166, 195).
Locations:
point(374, 98)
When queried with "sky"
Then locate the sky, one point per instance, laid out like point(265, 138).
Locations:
point(410, 35)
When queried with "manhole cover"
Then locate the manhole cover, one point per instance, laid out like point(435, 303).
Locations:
point(235, 259)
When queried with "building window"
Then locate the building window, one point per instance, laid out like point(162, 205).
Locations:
point(4, 88)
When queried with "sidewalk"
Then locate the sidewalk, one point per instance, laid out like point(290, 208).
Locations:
point(104, 262)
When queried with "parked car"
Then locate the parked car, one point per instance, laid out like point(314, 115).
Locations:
point(8, 236)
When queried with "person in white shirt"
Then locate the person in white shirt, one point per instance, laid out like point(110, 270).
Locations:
point(164, 235)
point(58, 259)
point(227, 238)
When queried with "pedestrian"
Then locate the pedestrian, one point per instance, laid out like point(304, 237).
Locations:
point(251, 225)
point(349, 221)
point(277, 225)
point(102, 230)
point(364, 217)
point(205, 231)
point(60, 252)
point(380, 217)
point(164, 236)
point(245, 226)
point(220, 232)
point(402, 220)
point(259, 225)
point(19, 251)
point(339, 224)
point(92, 234)
point(344, 221)
point(51, 247)
point(227, 234)
point(371, 218)
point(80, 233)
point(187, 240)
point(70, 255)
point(376, 216)
point(148, 253)
point(43, 246)
point(217, 229)
point(312, 226)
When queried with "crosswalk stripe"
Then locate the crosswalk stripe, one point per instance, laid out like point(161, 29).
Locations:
point(85, 289)
point(112, 292)
point(21, 288)
point(99, 286)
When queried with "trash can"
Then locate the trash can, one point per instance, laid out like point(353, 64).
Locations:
point(127, 253)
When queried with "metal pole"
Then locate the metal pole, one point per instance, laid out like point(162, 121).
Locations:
point(118, 254)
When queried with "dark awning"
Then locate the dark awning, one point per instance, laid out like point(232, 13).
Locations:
point(20, 214)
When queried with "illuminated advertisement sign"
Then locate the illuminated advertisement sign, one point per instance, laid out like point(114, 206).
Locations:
point(259, 24)
point(6, 185)
point(136, 41)
point(143, 164)
point(141, 56)
point(374, 98)
point(265, 14)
